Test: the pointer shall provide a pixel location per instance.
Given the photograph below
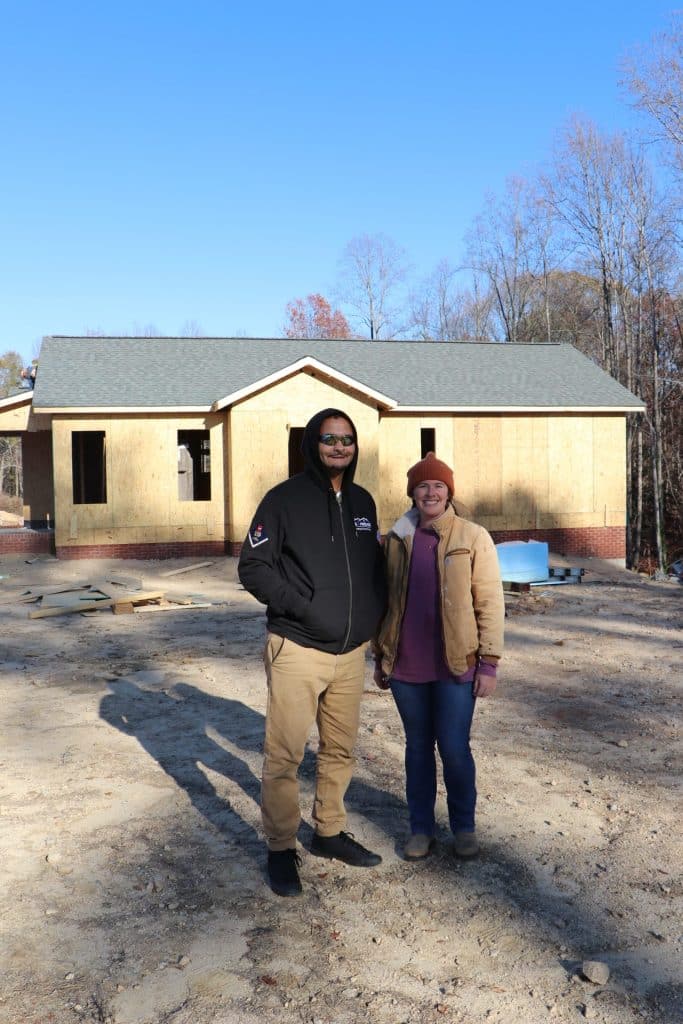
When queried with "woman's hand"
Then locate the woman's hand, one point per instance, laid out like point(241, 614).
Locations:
point(484, 679)
point(484, 686)
point(380, 678)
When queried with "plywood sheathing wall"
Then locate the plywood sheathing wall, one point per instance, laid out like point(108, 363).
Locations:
point(525, 472)
point(142, 483)
point(259, 433)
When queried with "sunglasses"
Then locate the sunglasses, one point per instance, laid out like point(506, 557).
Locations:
point(345, 439)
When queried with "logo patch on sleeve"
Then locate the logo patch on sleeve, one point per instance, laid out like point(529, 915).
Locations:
point(256, 536)
point(362, 523)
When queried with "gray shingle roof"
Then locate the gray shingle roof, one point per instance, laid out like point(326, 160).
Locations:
point(196, 372)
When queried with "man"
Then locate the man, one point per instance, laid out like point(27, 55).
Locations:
point(313, 557)
point(28, 376)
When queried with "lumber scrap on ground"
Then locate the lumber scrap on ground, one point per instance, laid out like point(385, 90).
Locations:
point(129, 582)
point(170, 607)
point(69, 597)
point(186, 568)
point(35, 593)
point(139, 597)
point(185, 598)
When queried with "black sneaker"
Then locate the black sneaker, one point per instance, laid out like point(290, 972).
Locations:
point(282, 872)
point(344, 847)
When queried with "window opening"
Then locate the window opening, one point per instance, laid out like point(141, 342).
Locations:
point(194, 465)
point(88, 467)
point(427, 441)
point(296, 458)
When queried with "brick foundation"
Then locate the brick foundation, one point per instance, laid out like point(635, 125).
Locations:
point(586, 542)
point(189, 549)
point(24, 541)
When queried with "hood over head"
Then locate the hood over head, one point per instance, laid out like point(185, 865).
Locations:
point(311, 454)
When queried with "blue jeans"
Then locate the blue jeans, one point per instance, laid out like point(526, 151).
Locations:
point(438, 714)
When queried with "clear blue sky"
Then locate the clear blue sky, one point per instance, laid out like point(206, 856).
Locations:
point(166, 161)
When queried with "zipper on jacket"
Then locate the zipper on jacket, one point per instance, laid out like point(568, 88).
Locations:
point(348, 573)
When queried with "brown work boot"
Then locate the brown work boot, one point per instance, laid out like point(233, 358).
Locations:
point(418, 846)
point(465, 845)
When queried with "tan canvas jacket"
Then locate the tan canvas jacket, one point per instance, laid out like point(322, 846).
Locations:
point(472, 604)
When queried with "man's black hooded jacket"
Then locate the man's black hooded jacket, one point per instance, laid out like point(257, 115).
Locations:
point(316, 564)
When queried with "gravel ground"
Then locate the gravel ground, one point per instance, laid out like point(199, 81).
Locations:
point(130, 848)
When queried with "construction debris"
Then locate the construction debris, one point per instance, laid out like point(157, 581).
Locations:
point(92, 605)
point(186, 568)
point(129, 582)
point(171, 607)
point(92, 597)
point(556, 576)
point(572, 575)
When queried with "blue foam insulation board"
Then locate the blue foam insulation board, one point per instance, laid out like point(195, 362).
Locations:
point(523, 561)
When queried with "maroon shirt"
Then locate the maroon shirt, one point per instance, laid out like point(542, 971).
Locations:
point(420, 657)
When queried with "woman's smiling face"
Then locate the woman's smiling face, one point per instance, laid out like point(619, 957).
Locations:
point(431, 498)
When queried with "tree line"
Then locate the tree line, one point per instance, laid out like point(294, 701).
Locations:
point(587, 251)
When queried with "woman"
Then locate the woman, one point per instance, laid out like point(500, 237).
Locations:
point(438, 648)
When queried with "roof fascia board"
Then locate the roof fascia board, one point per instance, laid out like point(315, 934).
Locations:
point(426, 409)
point(106, 410)
point(394, 409)
point(7, 403)
point(305, 363)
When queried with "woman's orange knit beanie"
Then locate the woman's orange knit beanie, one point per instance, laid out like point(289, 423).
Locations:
point(430, 468)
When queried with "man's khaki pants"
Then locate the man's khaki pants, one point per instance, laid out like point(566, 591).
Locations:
point(307, 686)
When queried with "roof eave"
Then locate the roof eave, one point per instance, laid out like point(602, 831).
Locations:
point(78, 410)
point(518, 408)
point(12, 400)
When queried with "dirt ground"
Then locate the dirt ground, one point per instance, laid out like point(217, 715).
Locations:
point(132, 862)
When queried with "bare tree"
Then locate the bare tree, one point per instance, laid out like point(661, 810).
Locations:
point(442, 311)
point(587, 192)
point(565, 307)
point(509, 246)
point(10, 372)
point(139, 331)
point(623, 235)
point(654, 76)
point(372, 270)
point(192, 329)
point(10, 447)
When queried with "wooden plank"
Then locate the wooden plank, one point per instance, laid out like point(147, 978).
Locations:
point(170, 607)
point(17, 596)
point(186, 568)
point(129, 582)
point(139, 597)
point(516, 588)
point(33, 593)
point(105, 587)
point(79, 606)
point(70, 597)
point(87, 606)
point(123, 608)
